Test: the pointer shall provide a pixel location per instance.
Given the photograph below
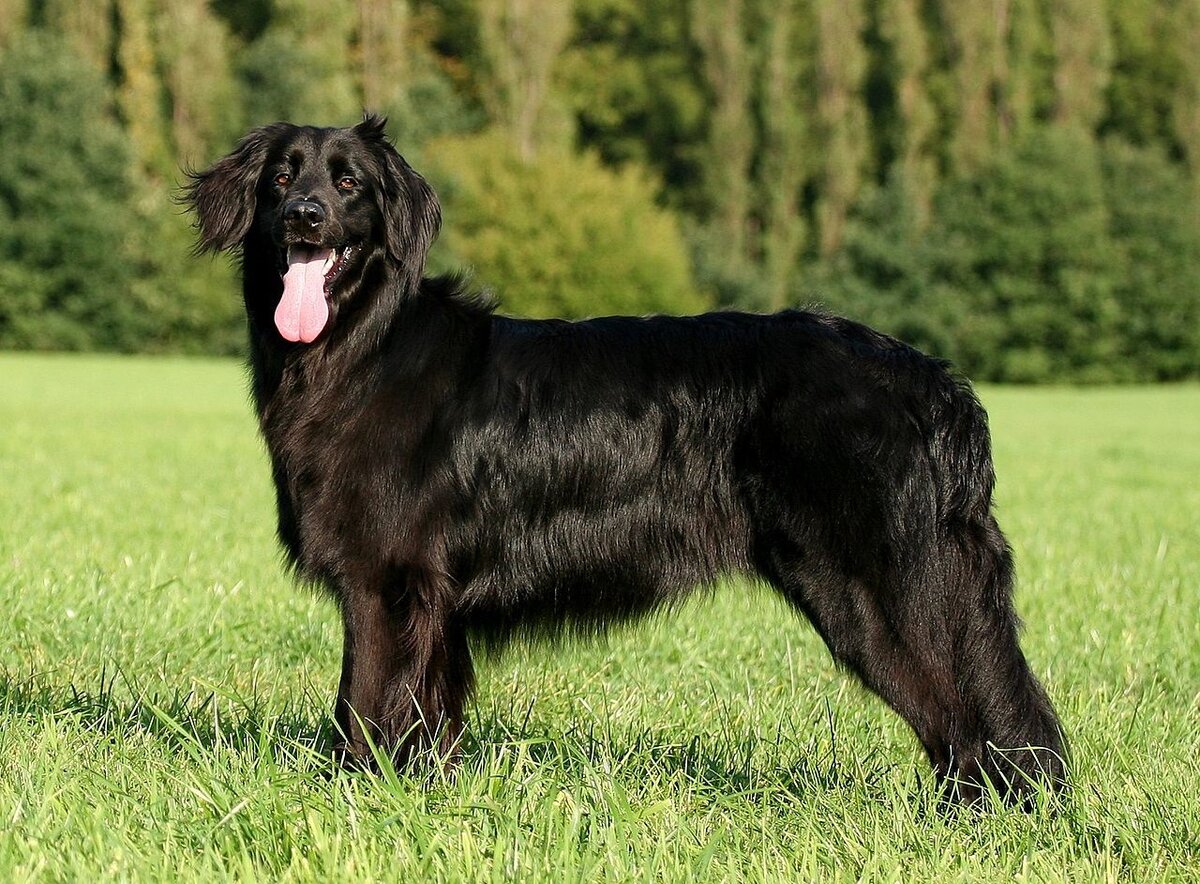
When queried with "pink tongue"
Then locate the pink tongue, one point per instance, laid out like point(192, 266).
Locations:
point(303, 311)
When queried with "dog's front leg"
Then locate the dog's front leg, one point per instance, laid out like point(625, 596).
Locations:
point(406, 674)
point(369, 662)
point(424, 711)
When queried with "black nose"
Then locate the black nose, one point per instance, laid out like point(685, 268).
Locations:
point(308, 212)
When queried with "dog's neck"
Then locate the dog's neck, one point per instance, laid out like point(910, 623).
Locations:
point(350, 336)
point(399, 334)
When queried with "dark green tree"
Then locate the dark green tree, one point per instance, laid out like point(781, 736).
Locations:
point(913, 128)
point(883, 274)
point(246, 19)
point(1026, 93)
point(299, 69)
point(975, 52)
point(140, 96)
point(1147, 72)
point(521, 43)
point(64, 191)
point(783, 167)
point(195, 51)
point(719, 29)
point(1187, 97)
point(383, 41)
point(1083, 60)
point(1156, 235)
point(631, 78)
point(841, 116)
point(13, 15)
point(1023, 245)
point(399, 77)
point(87, 27)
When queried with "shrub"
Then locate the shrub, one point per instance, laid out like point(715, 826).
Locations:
point(194, 303)
point(884, 275)
point(560, 236)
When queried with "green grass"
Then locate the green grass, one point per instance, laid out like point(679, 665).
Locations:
point(164, 687)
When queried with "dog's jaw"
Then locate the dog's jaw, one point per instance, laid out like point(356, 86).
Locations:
point(311, 271)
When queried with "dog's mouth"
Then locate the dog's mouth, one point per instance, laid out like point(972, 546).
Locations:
point(309, 273)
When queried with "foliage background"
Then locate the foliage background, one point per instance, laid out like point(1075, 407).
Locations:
point(1014, 185)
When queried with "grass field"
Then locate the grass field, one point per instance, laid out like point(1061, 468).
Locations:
point(164, 688)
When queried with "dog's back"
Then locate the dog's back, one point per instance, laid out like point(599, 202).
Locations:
point(609, 466)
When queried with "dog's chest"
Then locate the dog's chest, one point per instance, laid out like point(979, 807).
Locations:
point(341, 471)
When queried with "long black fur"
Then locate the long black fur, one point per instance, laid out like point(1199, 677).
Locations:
point(448, 473)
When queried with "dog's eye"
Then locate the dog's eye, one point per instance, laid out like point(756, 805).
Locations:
point(347, 183)
point(283, 179)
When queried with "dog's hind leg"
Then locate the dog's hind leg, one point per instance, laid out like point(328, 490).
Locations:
point(1014, 738)
point(868, 640)
point(937, 640)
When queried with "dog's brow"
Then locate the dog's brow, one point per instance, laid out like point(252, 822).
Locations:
point(339, 162)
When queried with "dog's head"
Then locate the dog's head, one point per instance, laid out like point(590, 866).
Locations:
point(323, 204)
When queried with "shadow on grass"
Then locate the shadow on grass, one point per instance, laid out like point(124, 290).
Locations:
point(191, 722)
point(723, 761)
point(205, 726)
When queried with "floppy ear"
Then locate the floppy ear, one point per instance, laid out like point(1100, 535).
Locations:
point(410, 209)
point(223, 195)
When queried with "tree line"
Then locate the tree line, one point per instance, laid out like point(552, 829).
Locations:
point(1013, 184)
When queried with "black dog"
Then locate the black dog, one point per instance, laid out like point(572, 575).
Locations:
point(448, 473)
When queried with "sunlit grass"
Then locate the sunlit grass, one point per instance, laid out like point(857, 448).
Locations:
point(164, 687)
